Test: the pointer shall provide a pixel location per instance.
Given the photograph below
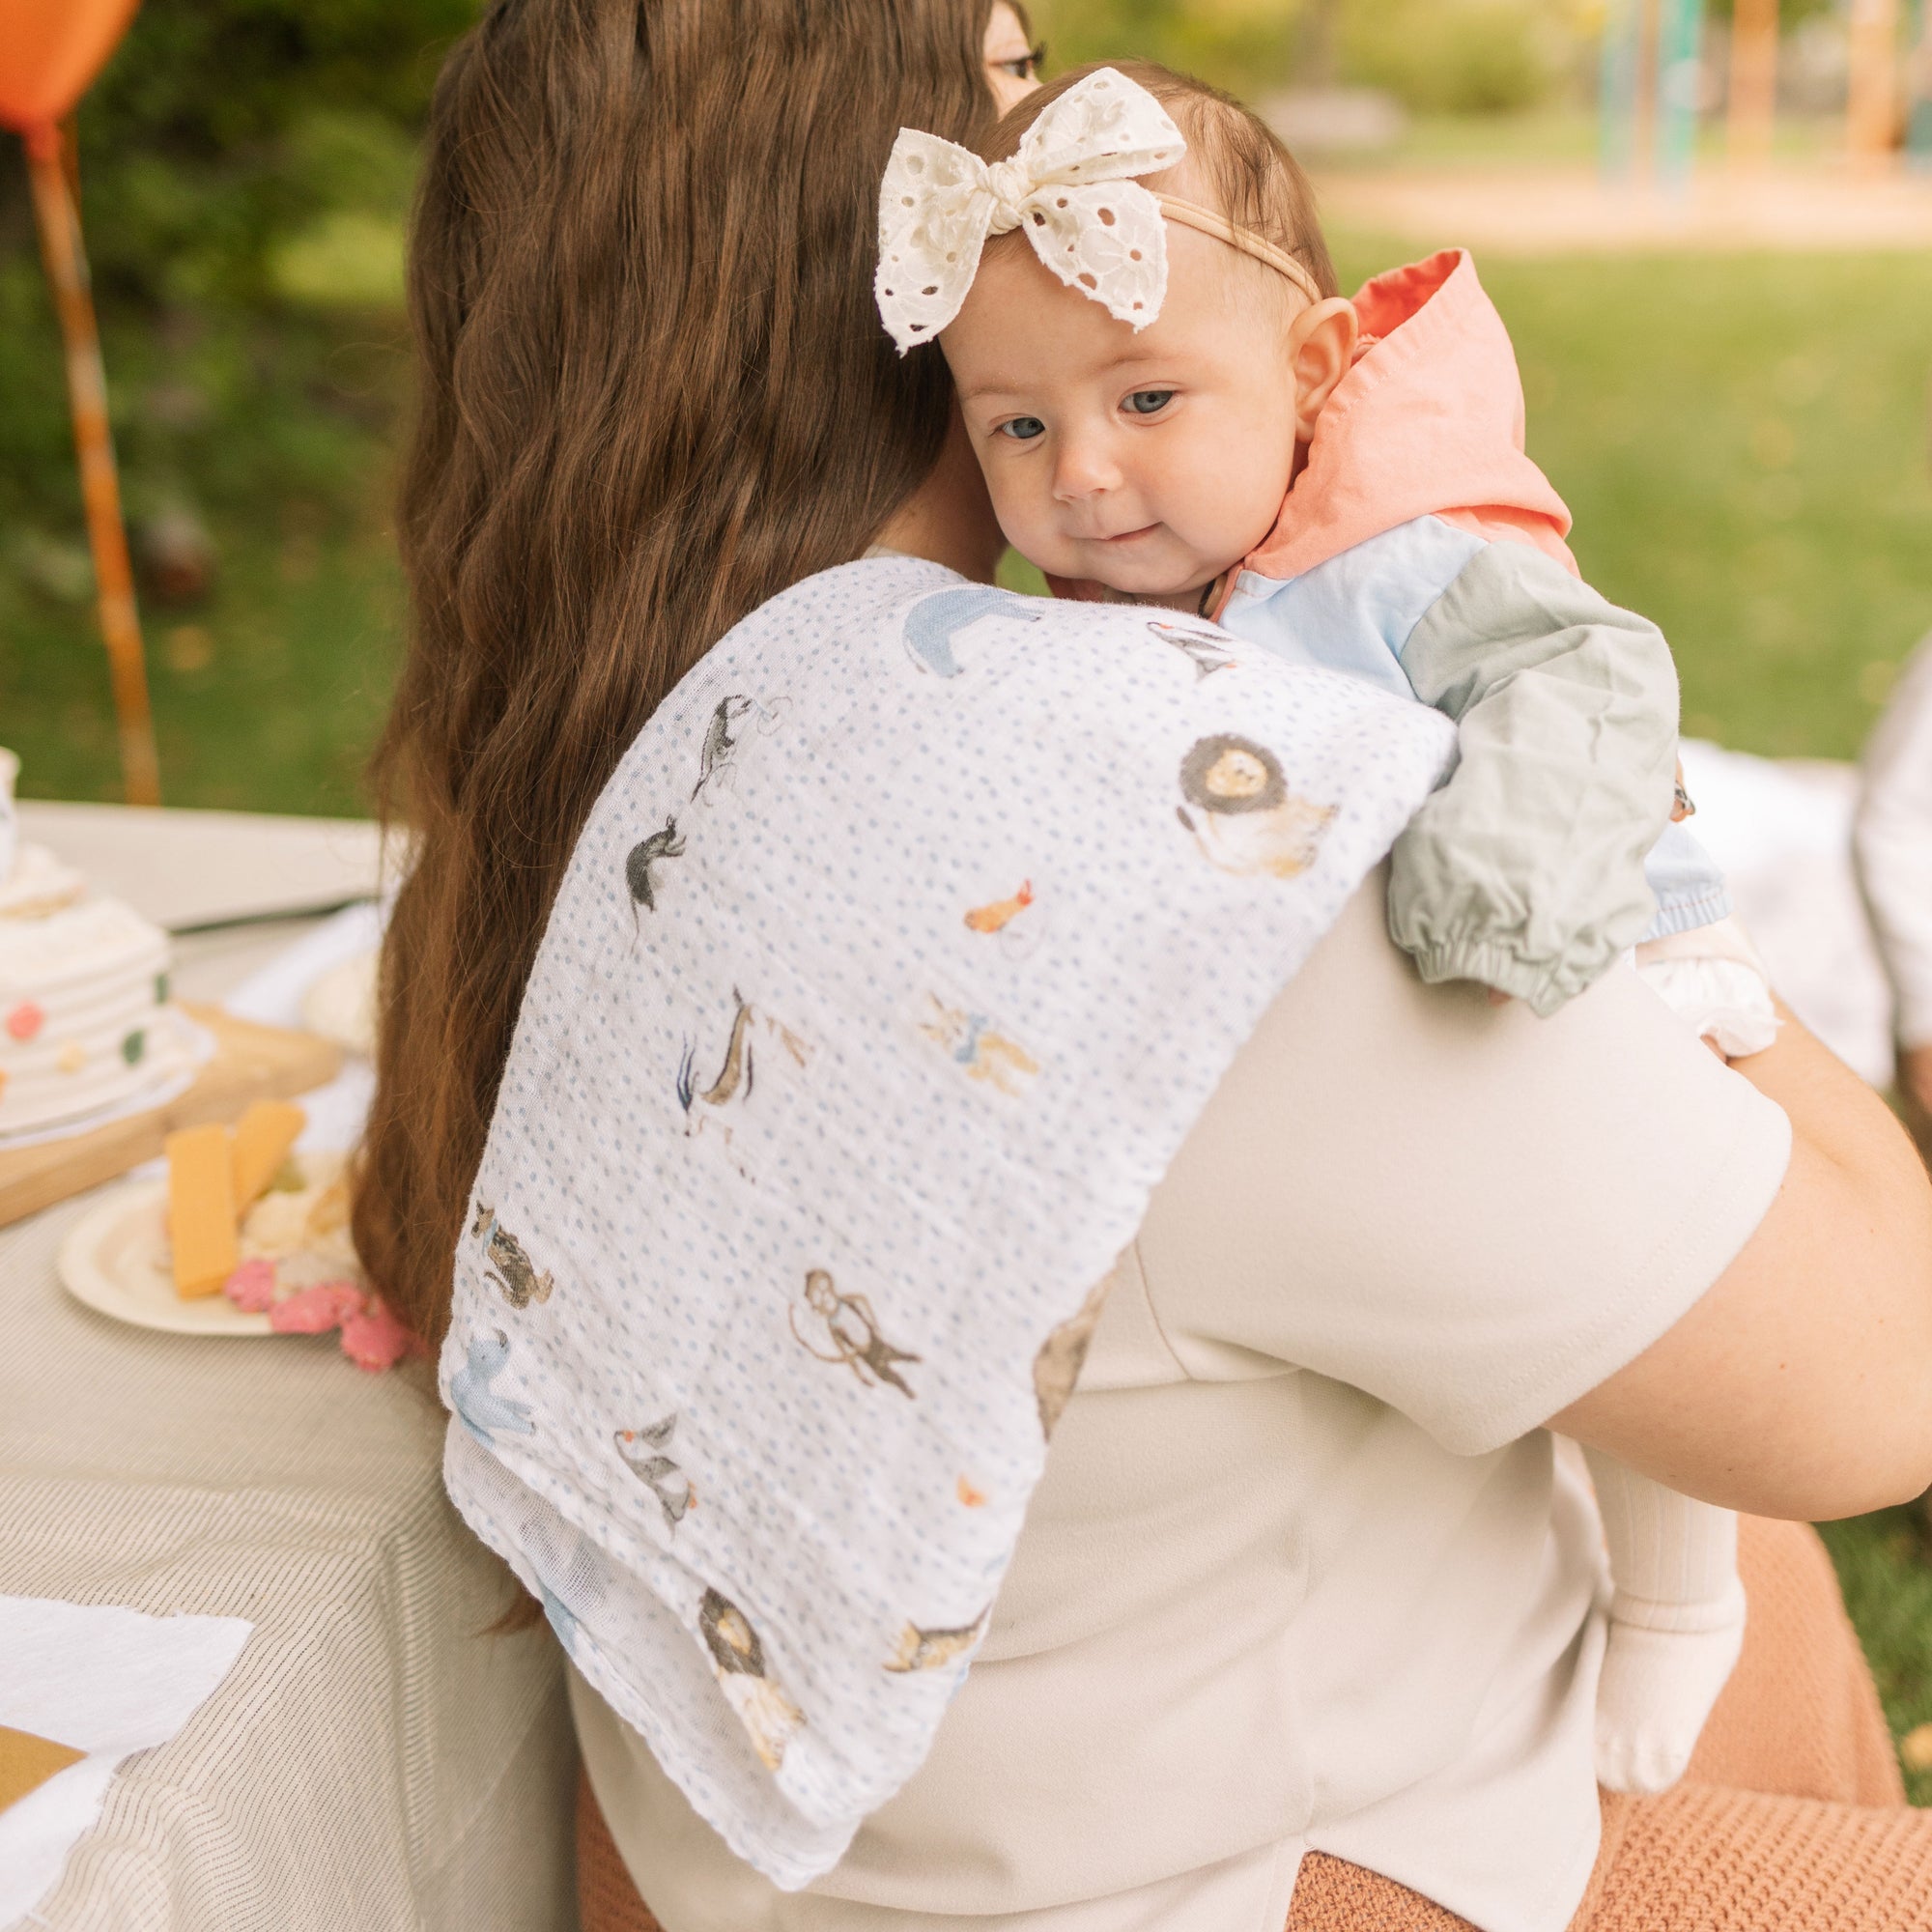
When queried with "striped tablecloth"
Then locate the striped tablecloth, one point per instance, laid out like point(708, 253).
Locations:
point(375, 1760)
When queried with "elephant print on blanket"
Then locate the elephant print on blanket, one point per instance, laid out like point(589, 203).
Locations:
point(478, 1407)
point(848, 1324)
point(1057, 1367)
point(643, 1452)
point(505, 1264)
point(769, 1716)
point(933, 1649)
point(1243, 817)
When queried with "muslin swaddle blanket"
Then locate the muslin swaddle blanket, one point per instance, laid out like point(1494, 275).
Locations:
point(894, 965)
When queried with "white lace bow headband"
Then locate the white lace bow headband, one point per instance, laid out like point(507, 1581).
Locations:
point(1069, 188)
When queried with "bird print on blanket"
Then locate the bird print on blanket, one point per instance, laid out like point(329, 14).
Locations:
point(1241, 813)
point(1000, 914)
point(478, 1407)
point(506, 1266)
point(933, 1649)
point(769, 1716)
point(1205, 651)
point(933, 623)
point(642, 1453)
point(847, 1323)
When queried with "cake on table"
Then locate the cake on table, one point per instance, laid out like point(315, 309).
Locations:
point(86, 1031)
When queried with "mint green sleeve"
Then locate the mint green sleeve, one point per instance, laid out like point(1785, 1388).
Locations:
point(1525, 869)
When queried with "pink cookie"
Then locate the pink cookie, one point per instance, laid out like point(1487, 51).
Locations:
point(252, 1288)
point(373, 1339)
point(316, 1310)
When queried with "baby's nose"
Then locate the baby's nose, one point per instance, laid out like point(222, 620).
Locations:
point(1083, 470)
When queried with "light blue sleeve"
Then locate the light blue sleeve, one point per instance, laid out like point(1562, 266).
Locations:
point(1355, 613)
point(1533, 868)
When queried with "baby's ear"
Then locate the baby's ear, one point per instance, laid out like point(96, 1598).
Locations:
point(1321, 349)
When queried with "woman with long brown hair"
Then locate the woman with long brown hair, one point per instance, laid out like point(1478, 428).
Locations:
point(1303, 1614)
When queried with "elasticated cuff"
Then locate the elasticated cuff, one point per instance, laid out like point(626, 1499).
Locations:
point(1542, 984)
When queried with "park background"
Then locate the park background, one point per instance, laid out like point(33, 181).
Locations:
point(1740, 430)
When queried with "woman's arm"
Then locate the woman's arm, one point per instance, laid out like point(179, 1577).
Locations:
point(1801, 1384)
point(1492, 1222)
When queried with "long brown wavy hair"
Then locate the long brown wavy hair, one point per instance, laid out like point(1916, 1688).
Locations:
point(654, 392)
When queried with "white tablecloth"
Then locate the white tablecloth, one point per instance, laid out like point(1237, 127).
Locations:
point(374, 1760)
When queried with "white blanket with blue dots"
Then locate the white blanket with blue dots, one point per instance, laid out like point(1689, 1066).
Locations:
point(895, 963)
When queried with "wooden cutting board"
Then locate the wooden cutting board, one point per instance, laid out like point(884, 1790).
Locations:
point(250, 1063)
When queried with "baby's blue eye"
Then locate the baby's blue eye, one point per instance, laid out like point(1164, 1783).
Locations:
point(1023, 429)
point(1149, 402)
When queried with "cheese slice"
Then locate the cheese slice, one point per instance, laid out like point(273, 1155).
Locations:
point(201, 1210)
point(263, 1138)
point(27, 1762)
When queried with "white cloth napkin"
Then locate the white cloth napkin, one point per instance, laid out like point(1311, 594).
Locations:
point(99, 1679)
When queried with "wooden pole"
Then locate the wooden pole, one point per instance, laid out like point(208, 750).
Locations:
point(1871, 108)
point(61, 247)
point(1752, 114)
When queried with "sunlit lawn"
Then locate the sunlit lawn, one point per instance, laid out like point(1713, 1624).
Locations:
point(1742, 441)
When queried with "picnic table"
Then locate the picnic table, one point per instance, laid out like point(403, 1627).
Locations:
point(376, 1759)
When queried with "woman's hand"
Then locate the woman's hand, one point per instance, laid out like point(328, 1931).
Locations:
point(1801, 1384)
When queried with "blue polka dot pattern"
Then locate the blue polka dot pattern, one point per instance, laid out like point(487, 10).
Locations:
point(894, 965)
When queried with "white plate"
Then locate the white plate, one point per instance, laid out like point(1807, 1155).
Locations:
point(341, 1005)
point(112, 1259)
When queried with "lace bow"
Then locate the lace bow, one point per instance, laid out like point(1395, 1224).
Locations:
point(1067, 186)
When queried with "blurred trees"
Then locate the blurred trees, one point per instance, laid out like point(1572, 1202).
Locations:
point(244, 167)
point(222, 129)
point(1436, 56)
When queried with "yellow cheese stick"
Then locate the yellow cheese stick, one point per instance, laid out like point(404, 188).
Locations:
point(201, 1210)
point(263, 1138)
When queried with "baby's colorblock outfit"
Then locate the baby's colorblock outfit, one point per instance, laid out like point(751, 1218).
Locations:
point(1421, 551)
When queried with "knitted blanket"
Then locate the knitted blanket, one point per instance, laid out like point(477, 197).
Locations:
point(893, 967)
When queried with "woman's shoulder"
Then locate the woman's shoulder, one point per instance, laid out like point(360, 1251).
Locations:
point(1473, 1213)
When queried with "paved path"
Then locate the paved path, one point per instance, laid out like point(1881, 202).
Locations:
point(1569, 210)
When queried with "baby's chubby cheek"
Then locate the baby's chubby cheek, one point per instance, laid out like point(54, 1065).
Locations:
point(1220, 485)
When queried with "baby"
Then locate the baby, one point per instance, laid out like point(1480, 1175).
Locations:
point(1173, 406)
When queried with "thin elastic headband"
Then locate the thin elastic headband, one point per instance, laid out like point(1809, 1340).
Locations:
point(1206, 221)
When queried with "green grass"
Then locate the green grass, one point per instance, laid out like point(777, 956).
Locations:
point(1742, 443)
point(266, 698)
point(1884, 1564)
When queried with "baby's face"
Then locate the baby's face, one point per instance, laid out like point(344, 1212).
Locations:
point(1148, 462)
